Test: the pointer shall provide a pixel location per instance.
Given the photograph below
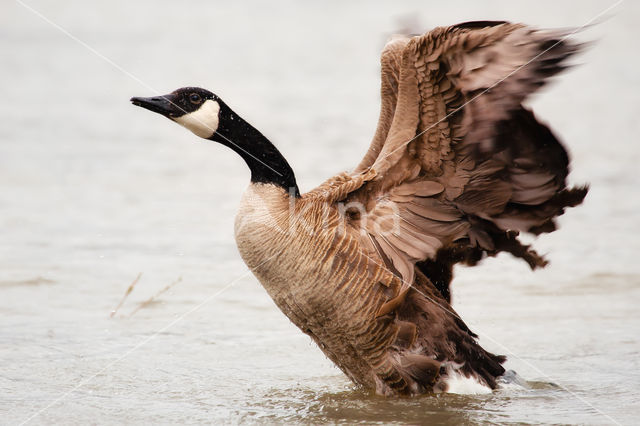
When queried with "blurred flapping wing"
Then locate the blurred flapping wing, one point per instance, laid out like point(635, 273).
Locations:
point(456, 161)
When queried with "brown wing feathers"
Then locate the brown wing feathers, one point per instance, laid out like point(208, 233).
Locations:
point(488, 170)
point(390, 64)
point(457, 168)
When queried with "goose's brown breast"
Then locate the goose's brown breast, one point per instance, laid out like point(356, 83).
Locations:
point(317, 275)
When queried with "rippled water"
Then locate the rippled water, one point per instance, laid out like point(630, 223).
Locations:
point(94, 191)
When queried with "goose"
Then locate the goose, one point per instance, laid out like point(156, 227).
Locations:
point(457, 169)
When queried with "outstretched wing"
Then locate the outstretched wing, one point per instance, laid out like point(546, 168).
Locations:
point(457, 164)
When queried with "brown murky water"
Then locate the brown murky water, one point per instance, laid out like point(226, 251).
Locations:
point(94, 191)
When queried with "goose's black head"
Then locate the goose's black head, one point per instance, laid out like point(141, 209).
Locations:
point(209, 117)
point(196, 109)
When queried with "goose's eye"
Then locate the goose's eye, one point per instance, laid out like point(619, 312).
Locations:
point(194, 98)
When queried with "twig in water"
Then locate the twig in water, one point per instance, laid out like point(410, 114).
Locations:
point(126, 294)
point(151, 299)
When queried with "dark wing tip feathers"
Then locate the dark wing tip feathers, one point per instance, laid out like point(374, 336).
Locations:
point(477, 24)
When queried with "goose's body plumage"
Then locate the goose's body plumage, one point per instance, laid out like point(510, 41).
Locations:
point(457, 168)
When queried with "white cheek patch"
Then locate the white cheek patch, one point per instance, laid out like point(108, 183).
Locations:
point(203, 121)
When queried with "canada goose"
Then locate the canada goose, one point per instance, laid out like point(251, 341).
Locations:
point(456, 169)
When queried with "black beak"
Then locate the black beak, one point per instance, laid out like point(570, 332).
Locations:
point(161, 104)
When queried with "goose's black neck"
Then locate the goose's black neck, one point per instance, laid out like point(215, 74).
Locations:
point(266, 163)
